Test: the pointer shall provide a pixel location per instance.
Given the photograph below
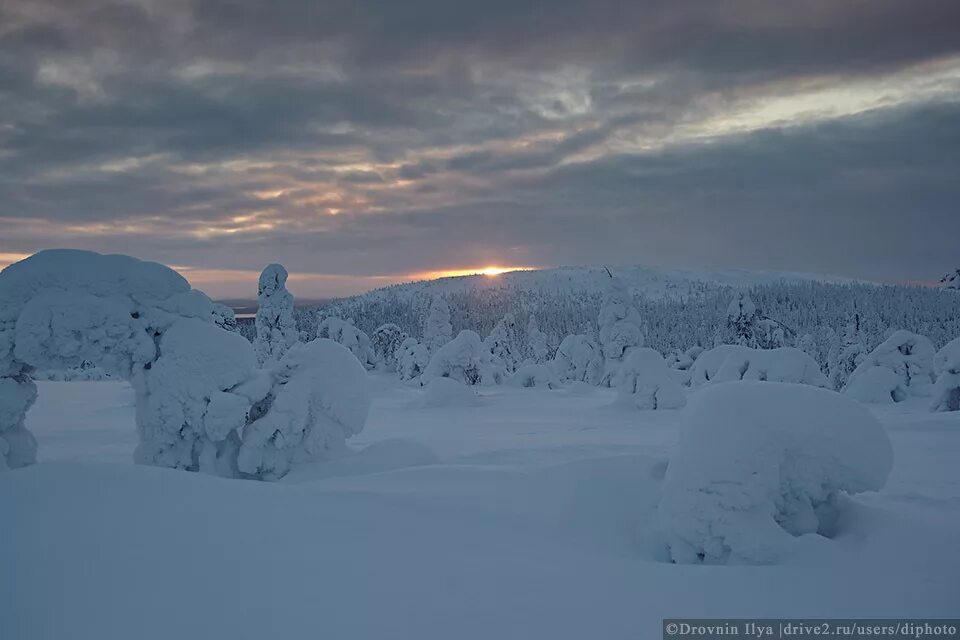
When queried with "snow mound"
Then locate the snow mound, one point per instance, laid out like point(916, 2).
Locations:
point(647, 382)
point(729, 362)
point(758, 463)
point(412, 359)
point(318, 399)
point(346, 333)
point(579, 359)
point(946, 392)
point(538, 376)
point(900, 367)
point(447, 392)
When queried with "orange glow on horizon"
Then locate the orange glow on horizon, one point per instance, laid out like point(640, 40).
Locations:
point(490, 271)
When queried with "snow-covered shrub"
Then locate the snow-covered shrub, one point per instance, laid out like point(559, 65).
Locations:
point(412, 359)
point(647, 383)
point(736, 362)
point(900, 367)
point(318, 399)
point(139, 321)
point(386, 341)
point(619, 323)
point(758, 463)
point(538, 352)
point(447, 392)
point(276, 328)
point(747, 326)
point(465, 360)
point(681, 363)
point(86, 371)
point(846, 354)
point(346, 333)
point(540, 376)
point(578, 359)
point(505, 344)
point(224, 317)
point(437, 330)
point(946, 392)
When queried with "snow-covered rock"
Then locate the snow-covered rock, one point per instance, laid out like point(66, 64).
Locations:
point(946, 392)
point(578, 359)
point(318, 399)
point(540, 376)
point(447, 392)
point(276, 328)
point(647, 383)
point(729, 362)
point(900, 367)
point(758, 463)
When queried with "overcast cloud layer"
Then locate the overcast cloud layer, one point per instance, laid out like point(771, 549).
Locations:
point(364, 142)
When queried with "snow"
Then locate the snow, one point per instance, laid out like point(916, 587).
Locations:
point(318, 399)
point(437, 330)
point(946, 392)
point(532, 376)
point(578, 359)
point(356, 341)
point(447, 392)
point(758, 463)
point(901, 366)
point(465, 359)
point(647, 383)
point(276, 328)
point(736, 362)
point(412, 359)
point(531, 514)
point(619, 323)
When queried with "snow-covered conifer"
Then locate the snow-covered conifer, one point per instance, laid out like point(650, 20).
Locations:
point(951, 280)
point(538, 352)
point(412, 359)
point(619, 323)
point(276, 329)
point(946, 392)
point(647, 383)
point(901, 366)
point(346, 333)
point(437, 330)
point(386, 341)
point(505, 343)
point(224, 317)
point(578, 359)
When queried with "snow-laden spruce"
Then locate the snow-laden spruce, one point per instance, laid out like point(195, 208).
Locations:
point(619, 323)
point(902, 366)
point(465, 360)
point(578, 359)
point(318, 398)
point(681, 363)
point(412, 359)
point(437, 330)
point(136, 320)
point(385, 342)
point(538, 350)
point(646, 382)
point(276, 328)
point(747, 326)
point(758, 463)
point(505, 344)
point(951, 281)
point(946, 392)
point(530, 376)
point(346, 333)
point(224, 317)
point(735, 362)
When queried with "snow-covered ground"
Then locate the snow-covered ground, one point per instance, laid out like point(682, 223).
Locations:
point(526, 513)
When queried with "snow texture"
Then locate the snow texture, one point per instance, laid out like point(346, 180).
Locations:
point(136, 320)
point(900, 367)
point(447, 392)
point(951, 281)
point(736, 362)
point(759, 463)
point(505, 343)
point(946, 392)
point(385, 342)
point(437, 330)
point(539, 376)
point(647, 383)
point(276, 328)
point(318, 399)
point(412, 359)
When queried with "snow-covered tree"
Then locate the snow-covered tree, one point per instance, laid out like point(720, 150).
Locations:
point(538, 352)
point(437, 330)
point(578, 359)
point(946, 392)
point(224, 317)
point(386, 341)
point(412, 359)
point(505, 344)
point(465, 360)
point(619, 323)
point(276, 329)
point(647, 383)
point(346, 333)
point(901, 366)
point(846, 353)
point(951, 280)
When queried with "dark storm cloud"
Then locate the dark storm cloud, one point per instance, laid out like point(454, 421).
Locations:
point(378, 137)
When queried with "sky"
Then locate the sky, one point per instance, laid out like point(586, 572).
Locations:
point(366, 142)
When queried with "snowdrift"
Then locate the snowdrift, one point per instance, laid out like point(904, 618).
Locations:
point(759, 463)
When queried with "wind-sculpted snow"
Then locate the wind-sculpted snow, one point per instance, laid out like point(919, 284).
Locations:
point(946, 392)
point(730, 362)
point(760, 463)
point(647, 383)
point(318, 399)
point(902, 366)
